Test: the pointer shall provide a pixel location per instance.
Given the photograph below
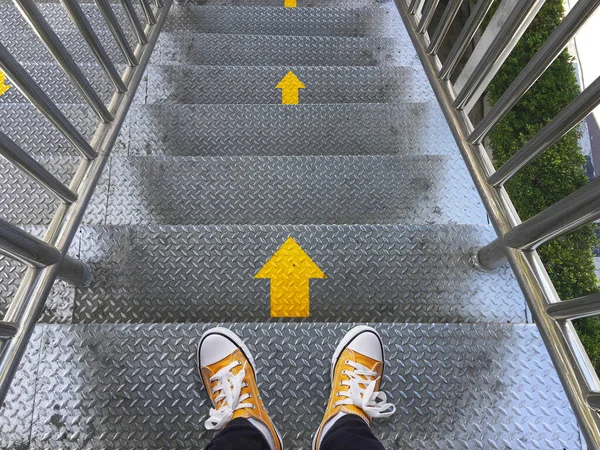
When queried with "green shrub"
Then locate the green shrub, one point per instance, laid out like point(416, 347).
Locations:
point(554, 175)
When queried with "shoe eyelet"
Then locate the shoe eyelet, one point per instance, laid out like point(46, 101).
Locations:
point(343, 372)
point(347, 361)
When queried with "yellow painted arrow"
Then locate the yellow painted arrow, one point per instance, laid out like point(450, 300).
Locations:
point(290, 269)
point(289, 3)
point(3, 86)
point(289, 85)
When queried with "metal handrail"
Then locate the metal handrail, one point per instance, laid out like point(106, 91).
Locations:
point(47, 258)
point(517, 241)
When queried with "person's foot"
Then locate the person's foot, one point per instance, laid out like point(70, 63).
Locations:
point(356, 371)
point(228, 373)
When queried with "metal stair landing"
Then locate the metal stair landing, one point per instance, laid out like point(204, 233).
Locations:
point(210, 176)
point(136, 386)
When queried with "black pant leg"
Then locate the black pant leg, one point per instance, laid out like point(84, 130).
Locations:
point(350, 433)
point(239, 434)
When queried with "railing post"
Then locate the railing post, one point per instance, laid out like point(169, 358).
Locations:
point(490, 257)
point(75, 272)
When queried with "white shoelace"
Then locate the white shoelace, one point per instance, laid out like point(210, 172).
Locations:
point(371, 402)
point(230, 387)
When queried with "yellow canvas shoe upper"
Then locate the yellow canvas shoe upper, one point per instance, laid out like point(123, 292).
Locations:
point(231, 385)
point(355, 381)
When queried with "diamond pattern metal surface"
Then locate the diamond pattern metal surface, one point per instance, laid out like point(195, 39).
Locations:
point(60, 89)
point(47, 141)
point(24, 202)
point(12, 21)
point(300, 3)
point(17, 411)
point(208, 142)
point(25, 46)
point(256, 85)
point(376, 273)
point(277, 130)
point(363, 22)
point(289, 190)
point(456, 386)
point(254, 50)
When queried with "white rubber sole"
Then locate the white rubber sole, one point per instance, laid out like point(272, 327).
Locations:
point(349, 337)
point(239, 343)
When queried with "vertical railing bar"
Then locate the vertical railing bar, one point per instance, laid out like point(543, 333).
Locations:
point(593, 400)
point(465, 37)
point(444, 26)
point(41, 101)
point(19, 158)
point(86, 30)
point(414, 6)
point(30, 11)
point(491, 59)
point(428, 12)
point(491, 256)
point(117, 31)
point(7, 330)
point(159, 3)
point(575, 308)
point(565, 121)
point(568, 214)
point(20, 245)
point(150, 17)
point(138, 29)
point(551, 49)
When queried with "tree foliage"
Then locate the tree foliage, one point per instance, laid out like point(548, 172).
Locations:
point(554, 175)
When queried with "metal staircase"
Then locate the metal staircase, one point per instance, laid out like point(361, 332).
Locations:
point(209, 176)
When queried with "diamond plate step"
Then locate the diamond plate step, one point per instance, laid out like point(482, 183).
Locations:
point(12, 22)
point(195, 274)
point(59, 87)
point(278, 130)
point(47, 141)
point(258, 190)
point(137, 387)
point(200, 274)
point(288, 190)
point(300, 3)
point(255, 50)
point(384, 21)
point(248, 130)
point(27, 48)
point(24, 202)
point(256, 85)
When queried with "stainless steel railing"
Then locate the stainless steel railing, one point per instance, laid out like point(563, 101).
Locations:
point(47, 258)
point(518, 241)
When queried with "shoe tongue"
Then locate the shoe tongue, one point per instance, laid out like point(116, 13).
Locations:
point(370, 364)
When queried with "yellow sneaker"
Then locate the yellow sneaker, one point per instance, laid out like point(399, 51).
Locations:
point(228, 373)
point(356, 371)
